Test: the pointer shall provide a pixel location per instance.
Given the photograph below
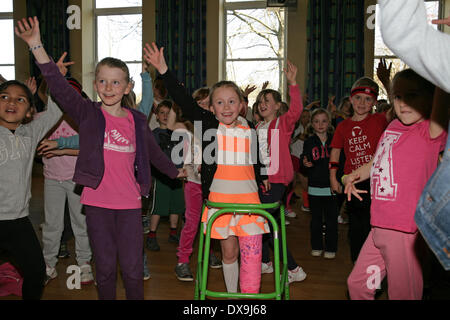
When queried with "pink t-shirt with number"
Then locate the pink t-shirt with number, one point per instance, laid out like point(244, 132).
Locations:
point(118, 188)
point(405, 159)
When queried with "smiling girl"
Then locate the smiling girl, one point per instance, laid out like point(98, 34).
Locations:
point(116, 149)
point(223, 179)
point(18, 143)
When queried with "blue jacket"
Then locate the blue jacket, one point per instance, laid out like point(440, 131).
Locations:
point(433, 211)
point(89, 117)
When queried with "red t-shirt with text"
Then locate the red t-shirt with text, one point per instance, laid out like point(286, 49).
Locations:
point(359, 139)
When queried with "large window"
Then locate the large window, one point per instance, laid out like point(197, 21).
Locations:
point(7, 52)
point(255, 42)
point(119, 35)
point(382, 51)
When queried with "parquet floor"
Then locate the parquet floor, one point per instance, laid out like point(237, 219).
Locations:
point(326, 279)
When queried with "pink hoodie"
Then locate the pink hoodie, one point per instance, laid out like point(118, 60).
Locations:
point(282, 170)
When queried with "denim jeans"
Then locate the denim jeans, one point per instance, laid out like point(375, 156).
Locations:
point(433, 211)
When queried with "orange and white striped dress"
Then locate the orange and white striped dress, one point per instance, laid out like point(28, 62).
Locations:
point(234, 182)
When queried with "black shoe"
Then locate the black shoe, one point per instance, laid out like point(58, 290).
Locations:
point(152, 244)
point(214, 262)
point(63, 252)
point(173, 238)
point(183, 272)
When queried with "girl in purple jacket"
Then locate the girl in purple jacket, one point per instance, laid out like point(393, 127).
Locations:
point(113, 165)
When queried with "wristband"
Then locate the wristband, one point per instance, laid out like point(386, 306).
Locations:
point(343, 177)
point(36, 47)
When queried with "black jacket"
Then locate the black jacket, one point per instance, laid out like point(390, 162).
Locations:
point(193, 112)
point(319, 155)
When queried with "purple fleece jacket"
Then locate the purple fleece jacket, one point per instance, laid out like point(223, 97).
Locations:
point(87, 114)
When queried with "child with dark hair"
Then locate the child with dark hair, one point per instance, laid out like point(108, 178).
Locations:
point(18, 143)
point(168, 198)
point(405, 159)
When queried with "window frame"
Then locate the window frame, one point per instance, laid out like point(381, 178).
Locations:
point(8, 16)
point(394, 57)
point(246, 5)
point(100, 12)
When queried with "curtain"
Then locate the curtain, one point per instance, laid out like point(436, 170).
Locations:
point(335, 31)
point(181, 30)
point(52, 17)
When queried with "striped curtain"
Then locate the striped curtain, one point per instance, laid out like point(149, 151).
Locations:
point(52, 17)
point(335, 31)
point(181, 30)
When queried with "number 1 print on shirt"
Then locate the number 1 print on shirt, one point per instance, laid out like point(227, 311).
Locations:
point(383, 180)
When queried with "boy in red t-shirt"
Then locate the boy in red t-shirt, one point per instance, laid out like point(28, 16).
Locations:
point(358, 136)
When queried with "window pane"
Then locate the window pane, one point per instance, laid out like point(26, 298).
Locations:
point(256, 73)
point(381, 49)
point(7, 51)
point(6, 6)
point(117, 3)
point(135, 73)
point(120, 37)
point(255, 33)
point(8, 73)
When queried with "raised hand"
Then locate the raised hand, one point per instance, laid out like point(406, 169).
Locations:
point(249, 89)
point(31, 84)
point(442, 21)
point(155, 57)
point(265, 85)
point(383, 72)
point(291, 73)
point(28, 31)
point(331, 105)
point(62, 66)
point(313, 104)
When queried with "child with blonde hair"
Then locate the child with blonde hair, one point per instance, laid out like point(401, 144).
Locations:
point(116, 149)
point(222, 180)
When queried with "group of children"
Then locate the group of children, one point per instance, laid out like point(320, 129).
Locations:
point(222, 162)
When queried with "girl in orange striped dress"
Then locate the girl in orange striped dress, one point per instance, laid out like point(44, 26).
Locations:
point(230, 172)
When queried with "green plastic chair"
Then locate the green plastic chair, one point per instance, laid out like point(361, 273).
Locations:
point(281, 283)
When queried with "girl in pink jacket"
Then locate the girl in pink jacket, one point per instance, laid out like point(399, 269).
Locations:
point(274, 134)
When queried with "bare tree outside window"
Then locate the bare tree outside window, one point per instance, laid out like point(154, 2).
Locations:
point(255, 47)
point(119, 35)
point(383, 52)
point(7, 67)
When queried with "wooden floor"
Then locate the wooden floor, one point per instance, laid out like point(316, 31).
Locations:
point(326, 279)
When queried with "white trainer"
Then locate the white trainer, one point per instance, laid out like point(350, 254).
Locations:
point(296, 275)
point(87, 277)
point(266, 267)
point(329, 255)
point(290, 213)
point(50, 274)
point(316, 253)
